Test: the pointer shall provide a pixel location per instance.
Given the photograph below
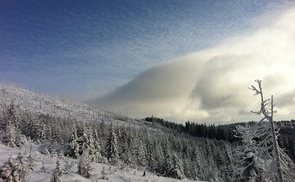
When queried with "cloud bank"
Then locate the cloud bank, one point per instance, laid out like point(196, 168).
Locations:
point(211, 85)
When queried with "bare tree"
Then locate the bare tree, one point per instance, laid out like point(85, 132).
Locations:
point(282, 164)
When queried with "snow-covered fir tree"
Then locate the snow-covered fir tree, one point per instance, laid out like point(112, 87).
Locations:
point(177, 167)
point(73, 147)
point(249, 166)
point(15, 169)
point(96, 148)
point(84, 165)
point(111, 150)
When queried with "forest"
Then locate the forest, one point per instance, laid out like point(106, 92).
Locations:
point(234, 152)
point(226, 132)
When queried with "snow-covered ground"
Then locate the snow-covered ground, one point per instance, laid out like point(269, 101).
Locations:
point(113, 173)
point(43, 104)
point(40, 103)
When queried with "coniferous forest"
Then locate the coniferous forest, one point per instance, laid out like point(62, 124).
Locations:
point(192, 151)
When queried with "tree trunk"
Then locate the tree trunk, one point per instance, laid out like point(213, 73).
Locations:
point(275, 144)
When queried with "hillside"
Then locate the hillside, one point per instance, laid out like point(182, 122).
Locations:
point(101, 143)
point(55, 125)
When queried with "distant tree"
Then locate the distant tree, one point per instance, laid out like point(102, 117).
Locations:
point(158, 157)
point(112, 152)
point(33, 128)
point(96, 150)
point(123, 143)
point(195, 168)
point(84, 165)
point(149, 149)
point(57, 173)
point(10, 126)
point(9, 135)
point(177, 167)
point(73, 146)
point(167, 163)
point(140, 155)
point(14, 170)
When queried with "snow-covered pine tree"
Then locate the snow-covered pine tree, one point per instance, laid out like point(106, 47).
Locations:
point(32, 128)
point(73, 147)
point(9, 134)
point(123, 143)
point(84, 165)
point(195, 169)
point(10, 126)
point(167, 163)
point(177, 167)
point(112, 152)
point(224, 161)
point(248, 165)
point(14, 170)
point(149, 150)
point(140, 155)
point(158, 157)
point(96, 151)
point(186, 167)
point(12, 114)
point(56, 133)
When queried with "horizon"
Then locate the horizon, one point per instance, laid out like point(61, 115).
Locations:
point(179, 61)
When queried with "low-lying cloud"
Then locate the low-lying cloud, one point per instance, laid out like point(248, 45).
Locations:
point(211, 85)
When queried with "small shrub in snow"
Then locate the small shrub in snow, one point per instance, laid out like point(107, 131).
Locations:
point(57, 173)
point(14, 170)
point(103, 173)
point(84, 167)
point(68, 166)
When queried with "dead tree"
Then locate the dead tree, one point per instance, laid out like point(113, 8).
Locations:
point(283, 165)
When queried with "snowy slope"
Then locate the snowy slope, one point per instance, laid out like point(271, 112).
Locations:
point(112, 173)
point(41, 103)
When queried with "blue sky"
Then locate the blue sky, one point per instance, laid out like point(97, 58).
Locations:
point(84, 49)
point(90, 47)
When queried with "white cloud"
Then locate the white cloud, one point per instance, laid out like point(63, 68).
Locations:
point(211, 85)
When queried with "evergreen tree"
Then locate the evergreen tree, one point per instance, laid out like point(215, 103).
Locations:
point(14, 170)
point(32, 128)
point(195, 168)
point(73, 148)
point(177, 167)
point(9, 137)
point(112, 145)
point(96, 150)
point(248, 165)
point(11, 127)
point(141, 159)
point(167, 163)
point(84, 165)
point(158, 157)
point(123, 144)
point(149, 150)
